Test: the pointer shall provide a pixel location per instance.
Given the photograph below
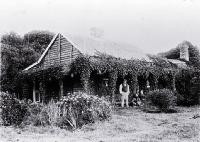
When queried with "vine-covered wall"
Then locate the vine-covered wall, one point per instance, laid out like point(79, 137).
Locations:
point(137, 73)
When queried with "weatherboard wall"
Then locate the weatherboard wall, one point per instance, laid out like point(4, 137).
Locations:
point(60, 52)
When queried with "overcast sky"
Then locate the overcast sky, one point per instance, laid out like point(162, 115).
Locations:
point(151, 25)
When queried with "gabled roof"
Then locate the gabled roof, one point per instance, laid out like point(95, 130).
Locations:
point(92, 46)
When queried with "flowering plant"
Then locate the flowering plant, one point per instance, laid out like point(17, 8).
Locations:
point(83, 109)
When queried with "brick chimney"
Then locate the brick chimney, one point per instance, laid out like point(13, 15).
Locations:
point(184, 52)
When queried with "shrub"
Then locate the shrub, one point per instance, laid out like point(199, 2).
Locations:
point(163, 99)
point(36, 115)
point(13, 110)
point(78, 110)
point(53, 112)
point(179, 98)
point(71, 112)
point(187, 85)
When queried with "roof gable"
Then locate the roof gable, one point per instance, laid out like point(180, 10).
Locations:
point(61, 50)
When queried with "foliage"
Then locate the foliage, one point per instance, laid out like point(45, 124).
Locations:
point(13, 110)
point(116, 67)
point(42, 74)
point(19, 52)
point(163, 99)
point(194, 57)
point(187, 87)
point(37, 115)
point(38, 40)
point(109, 66)
point(183, 87)
point(79, 110)
point(53, 112)
point(160, 62)
point(171, 54)
point(82, 67)
point(71, 112)
point(12, 39)
point(11, 44)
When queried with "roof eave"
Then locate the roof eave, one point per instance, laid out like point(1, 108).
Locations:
point(43, 54)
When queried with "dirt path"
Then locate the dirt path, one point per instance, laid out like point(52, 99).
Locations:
point(125, 125)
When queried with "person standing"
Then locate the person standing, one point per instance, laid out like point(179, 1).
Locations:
point(124, 91)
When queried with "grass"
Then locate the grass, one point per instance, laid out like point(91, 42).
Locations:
point(126, 125)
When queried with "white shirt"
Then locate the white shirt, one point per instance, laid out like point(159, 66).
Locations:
point(120, 89)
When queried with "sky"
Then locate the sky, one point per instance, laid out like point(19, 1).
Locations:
point(151, 25)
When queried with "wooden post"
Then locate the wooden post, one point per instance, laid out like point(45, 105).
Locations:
point(86, 85)
point(85, 79)
point(42, 91)
point(112, 85)
point(134, 83)
point(25, 90)
point(43, 94)
point(34, 93)
point(61, 88)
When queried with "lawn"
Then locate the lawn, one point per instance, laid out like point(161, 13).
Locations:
point(126, 125)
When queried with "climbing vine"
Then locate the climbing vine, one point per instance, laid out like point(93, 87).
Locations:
point(103, 64)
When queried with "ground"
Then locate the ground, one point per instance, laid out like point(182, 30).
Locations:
point(126, 125)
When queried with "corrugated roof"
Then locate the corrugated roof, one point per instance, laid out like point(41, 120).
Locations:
point(92, 46)
point(179, 63)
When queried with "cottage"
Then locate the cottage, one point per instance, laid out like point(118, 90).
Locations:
point(61, 52)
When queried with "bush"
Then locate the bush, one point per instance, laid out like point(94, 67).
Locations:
point(78, 110)
point(53, 112)
point(71, 112)
point(179, 99)
point(163, 99)
point(36, 115)
point(187, 85)
point(13, 110)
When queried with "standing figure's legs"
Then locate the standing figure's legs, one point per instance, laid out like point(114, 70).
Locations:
point(122, 99)
point(127, 105)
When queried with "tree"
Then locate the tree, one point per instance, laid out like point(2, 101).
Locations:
point(194, 57)
point(34, 43)
point(10, 46)
point(38, 40)
point(18, 53)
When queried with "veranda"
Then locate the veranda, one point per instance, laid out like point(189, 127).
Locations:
point(100, 76)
